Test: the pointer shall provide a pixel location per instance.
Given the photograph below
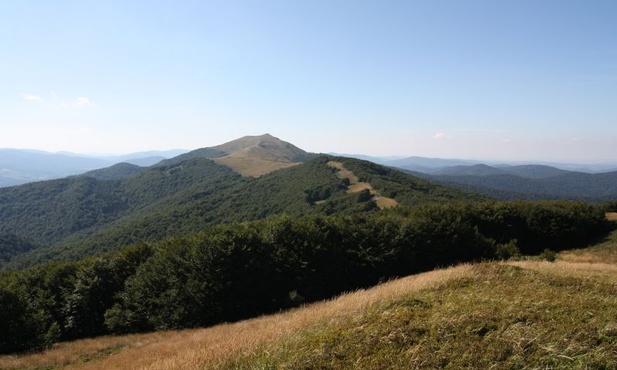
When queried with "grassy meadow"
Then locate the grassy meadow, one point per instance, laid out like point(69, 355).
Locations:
point(519, 314)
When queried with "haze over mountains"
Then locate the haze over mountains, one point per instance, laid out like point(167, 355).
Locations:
point(19, 166)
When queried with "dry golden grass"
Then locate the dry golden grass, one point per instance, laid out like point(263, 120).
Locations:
point(384, 202)
point(607, 271)
point(603, 253)
point(359, 186)
point(611, 216)
point(207, 348)
point(252, 167)
point(536, 315)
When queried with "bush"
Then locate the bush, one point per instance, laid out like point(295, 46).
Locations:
point(507, 251)
point(548, 255)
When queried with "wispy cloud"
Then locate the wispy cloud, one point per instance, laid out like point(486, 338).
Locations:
point(56, 101)
point(84, 102)
point(440, 135)
point(31, 97)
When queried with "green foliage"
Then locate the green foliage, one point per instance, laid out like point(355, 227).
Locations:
point(54, 302)
point(507, 251)
point(12, 245)
point(556, 225)
point(118, 171)
point(548, 255)
point(19, 326)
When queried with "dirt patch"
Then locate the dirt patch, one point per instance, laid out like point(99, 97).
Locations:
point(611, 216)
point(384, 202)
point(358, 187)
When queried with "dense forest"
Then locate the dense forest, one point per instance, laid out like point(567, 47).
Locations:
point(242, 269)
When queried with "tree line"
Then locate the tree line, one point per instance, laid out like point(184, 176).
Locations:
point(231, 272)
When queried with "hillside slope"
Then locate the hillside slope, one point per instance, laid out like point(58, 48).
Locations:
point(525, 314)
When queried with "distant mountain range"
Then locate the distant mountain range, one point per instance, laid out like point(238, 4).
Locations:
point(531, 182)
point(19, 166)
point(435, 165)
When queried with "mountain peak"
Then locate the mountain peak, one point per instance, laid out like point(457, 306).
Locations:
point(258, 155)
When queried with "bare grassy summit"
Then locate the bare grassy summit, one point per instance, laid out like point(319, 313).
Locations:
point(254, 156)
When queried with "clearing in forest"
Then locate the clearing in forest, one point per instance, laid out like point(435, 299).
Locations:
point(355, 186)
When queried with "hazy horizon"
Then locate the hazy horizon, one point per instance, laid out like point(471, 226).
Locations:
point(480, 80)
point(489, 161)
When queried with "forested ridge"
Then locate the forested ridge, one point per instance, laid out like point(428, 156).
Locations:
point(72, 218)
point(230, 272)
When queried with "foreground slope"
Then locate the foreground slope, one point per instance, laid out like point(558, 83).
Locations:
point(525, 314)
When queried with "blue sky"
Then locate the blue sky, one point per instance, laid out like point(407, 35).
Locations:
point(512, 79)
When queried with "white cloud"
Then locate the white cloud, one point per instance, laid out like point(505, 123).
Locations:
point(84, 102)
point(440, 135)
point(31, 97)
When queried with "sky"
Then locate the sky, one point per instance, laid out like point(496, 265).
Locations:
point(531, 80)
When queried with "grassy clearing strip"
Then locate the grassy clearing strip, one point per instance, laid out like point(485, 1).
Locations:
point(356, 186)
point(498, 317)
point(207, 348)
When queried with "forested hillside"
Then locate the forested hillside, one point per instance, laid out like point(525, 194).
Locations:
point(11, 245)
point(83, 216)
point(230, 272)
